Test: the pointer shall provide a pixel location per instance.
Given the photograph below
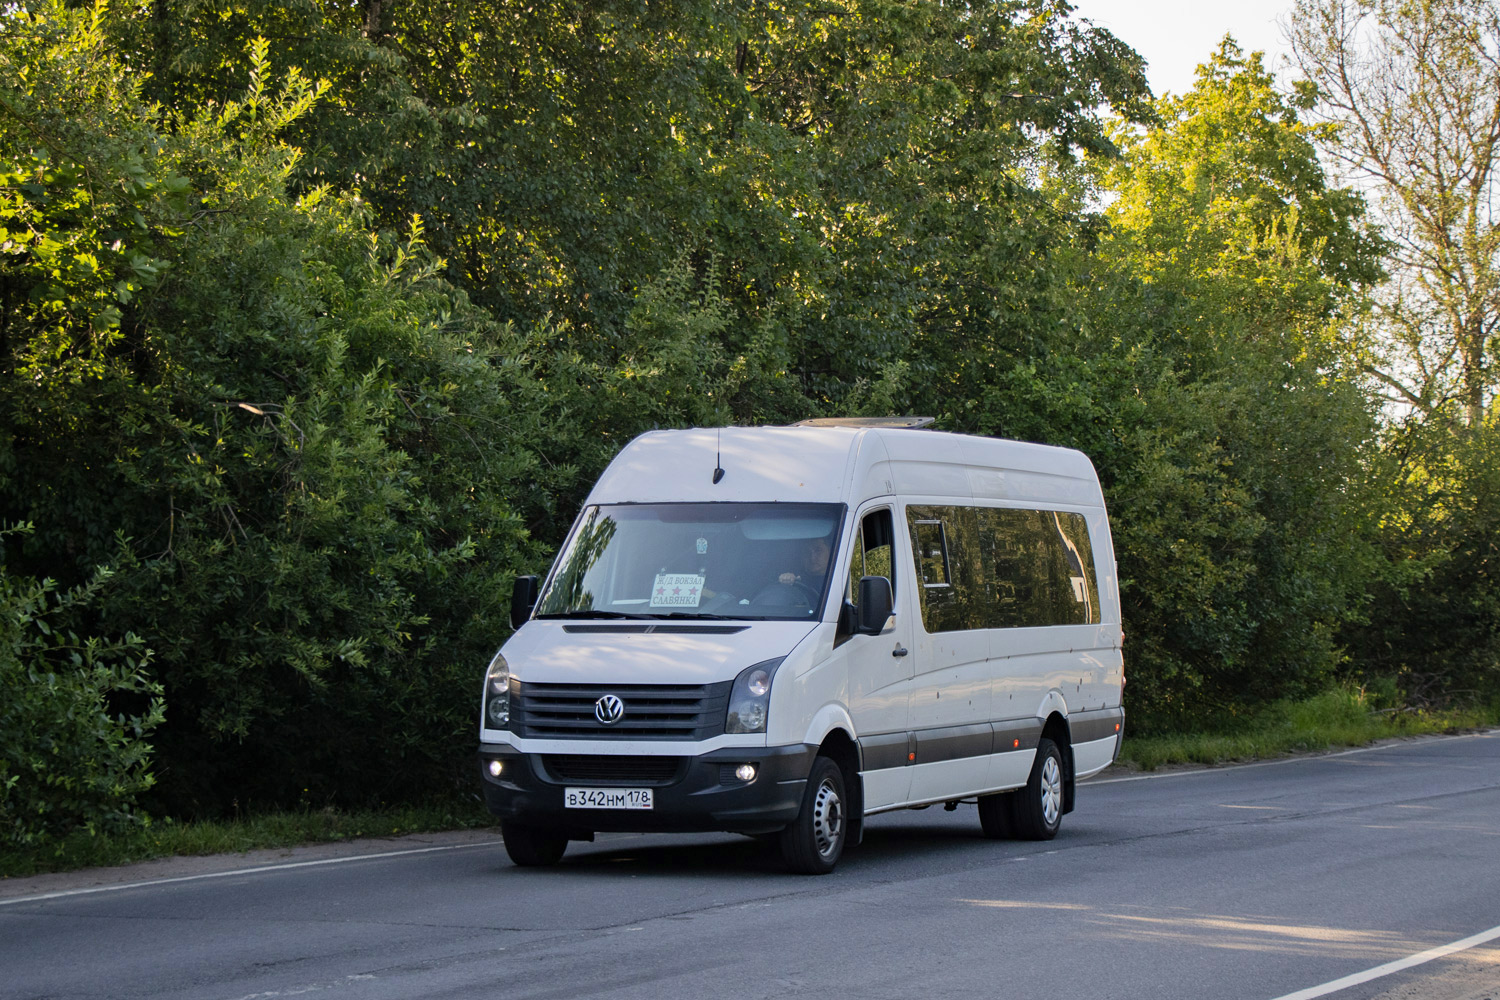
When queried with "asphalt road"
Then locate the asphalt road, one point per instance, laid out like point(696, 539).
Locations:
point(1253, 883)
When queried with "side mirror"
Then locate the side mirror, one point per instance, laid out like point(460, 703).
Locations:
point(875, 604)
point(522, 600)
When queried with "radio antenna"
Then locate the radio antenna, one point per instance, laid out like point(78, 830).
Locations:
point(718, 461)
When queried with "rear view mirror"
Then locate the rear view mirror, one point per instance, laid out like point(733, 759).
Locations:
point(875, 604)
point(522, 600)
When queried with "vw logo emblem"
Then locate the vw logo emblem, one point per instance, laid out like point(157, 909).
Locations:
point(609, 709)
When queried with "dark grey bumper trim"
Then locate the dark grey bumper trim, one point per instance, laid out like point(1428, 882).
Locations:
point(955, 743)
point(980, 739)
point(1086, 727)
point(885, 750)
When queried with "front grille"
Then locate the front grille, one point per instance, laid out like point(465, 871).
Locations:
point(652, 711)
point(612, 770)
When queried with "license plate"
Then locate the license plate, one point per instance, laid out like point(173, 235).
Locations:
point(607, 798)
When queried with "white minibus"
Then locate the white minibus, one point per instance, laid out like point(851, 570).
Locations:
point(782, 630)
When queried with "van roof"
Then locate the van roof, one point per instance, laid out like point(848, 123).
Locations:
point(840, 464)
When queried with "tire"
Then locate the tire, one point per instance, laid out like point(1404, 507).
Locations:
point(529, 847)
point(814, 842)
point(1036, 810)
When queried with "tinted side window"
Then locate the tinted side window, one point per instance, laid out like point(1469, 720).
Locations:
point(1042, 567)
point(1076, 585)
point(1005, 568)
point(950, 563)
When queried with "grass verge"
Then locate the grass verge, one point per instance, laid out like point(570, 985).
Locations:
point(169, 838)
point(1342, 718)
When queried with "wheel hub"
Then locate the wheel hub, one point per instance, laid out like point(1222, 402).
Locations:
point(828, 819)
point(1051, 791)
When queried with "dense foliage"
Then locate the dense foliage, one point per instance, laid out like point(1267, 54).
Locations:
point(286, 434)
point(76, 717)
point(317, 321)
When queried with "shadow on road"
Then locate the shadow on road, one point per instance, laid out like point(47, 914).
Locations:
point(890, 843)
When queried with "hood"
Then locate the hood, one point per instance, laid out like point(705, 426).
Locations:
point(633, 652)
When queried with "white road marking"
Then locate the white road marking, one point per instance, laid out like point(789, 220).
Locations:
point(240, 871)
point(1388, 968)
point(1285, 760)
point(310, 988)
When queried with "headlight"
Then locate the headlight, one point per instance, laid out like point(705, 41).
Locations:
point(750, 698)
point(497, 694)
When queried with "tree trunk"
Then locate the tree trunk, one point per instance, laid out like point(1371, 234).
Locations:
point(374, 26)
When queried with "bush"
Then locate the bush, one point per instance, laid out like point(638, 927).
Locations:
point(304, 436)
point(1432, 633)
point(73, 754)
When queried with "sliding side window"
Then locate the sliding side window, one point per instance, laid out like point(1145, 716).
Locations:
point(950, 565)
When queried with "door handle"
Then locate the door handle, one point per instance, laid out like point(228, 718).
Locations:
point(899, 651)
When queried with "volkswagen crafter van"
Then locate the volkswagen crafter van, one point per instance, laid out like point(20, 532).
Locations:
point(780, 631)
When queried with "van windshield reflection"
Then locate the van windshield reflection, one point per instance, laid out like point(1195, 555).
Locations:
point(696, 560)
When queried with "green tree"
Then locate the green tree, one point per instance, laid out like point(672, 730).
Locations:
point(929, 128)
point(855, 176)
point(301, 430)
point(1226, 416)
point(1229, 191)
point(1410, 93)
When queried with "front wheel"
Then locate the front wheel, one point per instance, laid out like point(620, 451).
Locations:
point(814, 842)
point(532, 848)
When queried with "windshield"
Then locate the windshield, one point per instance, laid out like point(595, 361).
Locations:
point(696, 560)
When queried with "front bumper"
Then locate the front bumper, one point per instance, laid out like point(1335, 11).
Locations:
point(700, 795)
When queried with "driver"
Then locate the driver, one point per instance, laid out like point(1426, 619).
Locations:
point(814, 567)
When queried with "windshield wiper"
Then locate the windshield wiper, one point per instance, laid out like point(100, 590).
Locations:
point(592, 613)
point(684, 614)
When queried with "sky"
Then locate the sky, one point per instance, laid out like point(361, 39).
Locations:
point(1176, 35)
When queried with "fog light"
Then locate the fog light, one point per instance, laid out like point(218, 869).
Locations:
point(745, 772)
point(495, 768)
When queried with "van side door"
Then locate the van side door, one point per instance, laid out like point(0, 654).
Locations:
point(951, 703)
point(880, 667)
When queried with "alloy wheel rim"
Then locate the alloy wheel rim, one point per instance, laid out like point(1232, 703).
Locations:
point(1051, 790)
point(828, 819)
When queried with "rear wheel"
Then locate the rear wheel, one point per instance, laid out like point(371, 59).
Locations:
point(1036, 810)
point(814, 842)
point(1033, 812)
point(532, 848)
